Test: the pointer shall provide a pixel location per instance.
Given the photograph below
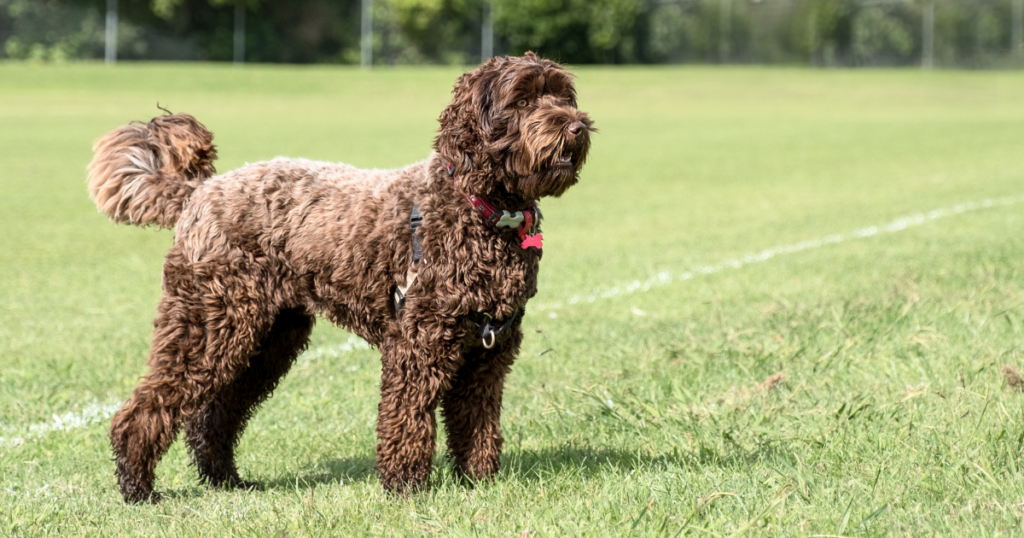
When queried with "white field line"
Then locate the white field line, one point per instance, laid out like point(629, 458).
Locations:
point(96, 412)
point(353, 343)
point(91, 414)
point(665, 278)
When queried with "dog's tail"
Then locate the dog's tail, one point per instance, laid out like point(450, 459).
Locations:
point(144, 173)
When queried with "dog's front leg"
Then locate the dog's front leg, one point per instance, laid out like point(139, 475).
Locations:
point(412, 380)
point(472, 408)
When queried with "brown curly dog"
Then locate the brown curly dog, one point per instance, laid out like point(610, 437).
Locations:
point(432, 264)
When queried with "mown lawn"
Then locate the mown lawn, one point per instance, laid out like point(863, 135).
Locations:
point(852, 386)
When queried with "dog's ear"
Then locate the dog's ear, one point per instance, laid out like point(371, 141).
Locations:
point(483, 98)
point(467, 121)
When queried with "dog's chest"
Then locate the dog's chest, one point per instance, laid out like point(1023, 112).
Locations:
point(510, 280)
point(489, 271)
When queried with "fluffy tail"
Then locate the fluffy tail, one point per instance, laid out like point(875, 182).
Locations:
point(144, 173)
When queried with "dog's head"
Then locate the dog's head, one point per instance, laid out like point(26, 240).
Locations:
point(513, 126)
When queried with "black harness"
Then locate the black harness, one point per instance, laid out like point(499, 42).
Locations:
point(490, 328)
point(415, 221)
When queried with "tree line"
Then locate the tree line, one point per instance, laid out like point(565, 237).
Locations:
point(975, 33)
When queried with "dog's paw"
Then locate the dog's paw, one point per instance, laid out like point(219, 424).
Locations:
point(151, 497)
point(232, 482)
point(238, 483)
point(406, 485)
point(406, 490)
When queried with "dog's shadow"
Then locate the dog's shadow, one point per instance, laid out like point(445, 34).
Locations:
point(333, 471)
point(584, 461)
point(516, 464)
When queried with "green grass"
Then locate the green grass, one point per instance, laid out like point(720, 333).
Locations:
point(637, 415)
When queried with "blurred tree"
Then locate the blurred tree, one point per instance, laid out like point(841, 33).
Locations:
point(879, 37)
point(434, 31)
point(165, 8)
point(975, 33)
point(575, 31)
point(294, 31)
point(45, 31)
point(679, 32)
point(821, 30)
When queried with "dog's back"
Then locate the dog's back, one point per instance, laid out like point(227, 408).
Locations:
point(298, 215)
point(304, 213)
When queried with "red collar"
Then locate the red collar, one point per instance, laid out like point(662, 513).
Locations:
point(523, 221)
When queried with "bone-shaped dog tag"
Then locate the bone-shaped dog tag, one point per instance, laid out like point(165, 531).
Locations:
point(533, 240)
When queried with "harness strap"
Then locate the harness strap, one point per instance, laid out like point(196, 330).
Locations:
point(415, 221)
point(487, 327)
point(488, 331)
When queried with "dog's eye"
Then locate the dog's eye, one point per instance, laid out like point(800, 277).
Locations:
point(521, 103)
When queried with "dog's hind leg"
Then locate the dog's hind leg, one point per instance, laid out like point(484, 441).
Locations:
point(472, 409)
point(206, 327)
point(213, 433)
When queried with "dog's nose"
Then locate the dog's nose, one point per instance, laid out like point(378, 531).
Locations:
point(576, 127)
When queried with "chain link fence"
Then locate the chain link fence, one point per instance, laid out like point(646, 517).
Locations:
point(47, 30)
point(825, 33)
point(851, 33)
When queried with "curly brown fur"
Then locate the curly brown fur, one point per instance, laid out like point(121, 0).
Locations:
point(261, 250)
point(143, 174)
point(213, 433)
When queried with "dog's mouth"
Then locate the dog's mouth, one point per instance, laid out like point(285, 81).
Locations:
point(567, 160)
point(564, 159)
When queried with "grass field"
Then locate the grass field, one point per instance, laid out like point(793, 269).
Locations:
point(646, 400)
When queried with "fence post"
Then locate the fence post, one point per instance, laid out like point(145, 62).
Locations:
point(724, 29)
point(110, 52)
point(239, 34)
point(486, 34)
point(928, 35)
point(812, 34)
point(366, 36)
point(1017, 31)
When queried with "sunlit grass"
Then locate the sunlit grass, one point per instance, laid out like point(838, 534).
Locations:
point(641, 414)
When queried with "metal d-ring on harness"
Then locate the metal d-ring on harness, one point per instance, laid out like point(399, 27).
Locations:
point(488, 332)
